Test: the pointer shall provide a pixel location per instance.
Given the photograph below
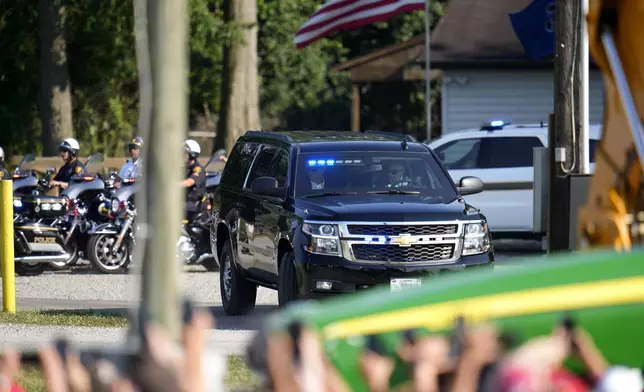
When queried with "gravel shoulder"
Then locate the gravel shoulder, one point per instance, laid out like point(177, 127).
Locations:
point(83, 284)
point(17, 335)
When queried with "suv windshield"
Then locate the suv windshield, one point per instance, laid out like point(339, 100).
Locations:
point(371, 172)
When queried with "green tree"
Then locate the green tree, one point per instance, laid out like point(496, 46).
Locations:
point(19, 84)
point(297, 89)
point(239, 108)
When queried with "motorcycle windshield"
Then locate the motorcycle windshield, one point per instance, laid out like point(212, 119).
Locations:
point(24, 163)
point(214, 164)
point(94, 159)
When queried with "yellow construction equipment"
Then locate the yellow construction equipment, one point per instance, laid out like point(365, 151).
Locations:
point(613, 215)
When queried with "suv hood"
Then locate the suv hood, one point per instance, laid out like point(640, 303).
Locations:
point(384, 208)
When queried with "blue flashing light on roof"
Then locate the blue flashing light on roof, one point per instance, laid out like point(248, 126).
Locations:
point(494, 125)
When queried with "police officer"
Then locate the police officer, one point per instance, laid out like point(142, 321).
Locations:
point(68, 152)
point(132, 168)
point(195, 181)
point(4, 173)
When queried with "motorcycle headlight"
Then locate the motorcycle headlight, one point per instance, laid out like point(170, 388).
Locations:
point(476, 238)
point(323, 238)
point(115, 206)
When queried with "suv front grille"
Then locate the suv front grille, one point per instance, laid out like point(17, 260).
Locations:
point(395, 253)
point(396, 230)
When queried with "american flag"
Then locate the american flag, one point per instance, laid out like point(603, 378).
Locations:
point(337, 15)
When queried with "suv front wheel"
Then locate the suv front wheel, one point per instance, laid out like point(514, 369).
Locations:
point(238, 295)
point(287, 281)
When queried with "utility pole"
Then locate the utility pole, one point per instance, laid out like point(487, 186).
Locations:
point(428, 69)
point(168, 28)
point(560, 138)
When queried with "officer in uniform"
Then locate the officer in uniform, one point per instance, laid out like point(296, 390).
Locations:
point(73, 167)
point(4, 173)
point(195, 181)
point(132, 168)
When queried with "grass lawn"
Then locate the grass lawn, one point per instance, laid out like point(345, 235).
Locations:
point(70, 318)
point(239, 376)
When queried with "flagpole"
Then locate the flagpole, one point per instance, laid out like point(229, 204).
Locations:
point(428, 77)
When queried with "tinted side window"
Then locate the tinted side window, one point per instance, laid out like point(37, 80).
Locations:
point(238, 164)
point(460, 154)
point(262, 166)
point(280, 169)
point(511, 151)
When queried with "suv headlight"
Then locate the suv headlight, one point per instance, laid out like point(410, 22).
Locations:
point(323, 238)
point(476, 239)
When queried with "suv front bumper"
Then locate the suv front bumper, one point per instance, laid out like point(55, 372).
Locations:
point(348, 277)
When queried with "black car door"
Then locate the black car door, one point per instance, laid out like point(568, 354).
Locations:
point(267, 219)
point(235, 205)
point(261, 168)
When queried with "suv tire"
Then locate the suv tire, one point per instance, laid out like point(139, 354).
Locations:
point(287, 280)
point(241, 294)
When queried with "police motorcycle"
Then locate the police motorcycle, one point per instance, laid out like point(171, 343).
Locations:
point(83, 195)
point(38, 238)
point(111, 243)
point(194, 242)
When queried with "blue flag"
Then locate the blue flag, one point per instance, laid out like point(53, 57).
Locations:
point(534, 26)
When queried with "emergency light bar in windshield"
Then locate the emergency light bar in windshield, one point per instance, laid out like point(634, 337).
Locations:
point(332, 162)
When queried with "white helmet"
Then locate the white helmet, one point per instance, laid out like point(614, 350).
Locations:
point(192, 148)
point(1, 155)
point(70, 144)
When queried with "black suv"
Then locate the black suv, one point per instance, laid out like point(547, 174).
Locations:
point(311, 213)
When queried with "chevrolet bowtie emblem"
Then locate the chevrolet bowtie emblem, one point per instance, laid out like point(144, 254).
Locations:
point(404, 240)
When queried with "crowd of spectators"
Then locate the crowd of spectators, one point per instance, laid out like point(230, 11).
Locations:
point(484, 363)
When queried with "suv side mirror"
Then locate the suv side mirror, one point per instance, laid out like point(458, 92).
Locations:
point(470, 185)
point(267, 186)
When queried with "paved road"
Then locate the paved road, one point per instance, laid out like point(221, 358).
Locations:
point(84, 289)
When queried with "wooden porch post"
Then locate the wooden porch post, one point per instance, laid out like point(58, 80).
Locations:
point(355, 109)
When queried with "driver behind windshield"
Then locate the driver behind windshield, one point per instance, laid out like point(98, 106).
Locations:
point(68, 151)
point(395, 172)
point(316, 177)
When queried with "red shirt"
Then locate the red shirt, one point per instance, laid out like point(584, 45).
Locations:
point(519, 380)
point(16, 388)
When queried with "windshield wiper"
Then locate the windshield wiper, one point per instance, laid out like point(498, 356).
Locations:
point(394, 192)
point(331, 194)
